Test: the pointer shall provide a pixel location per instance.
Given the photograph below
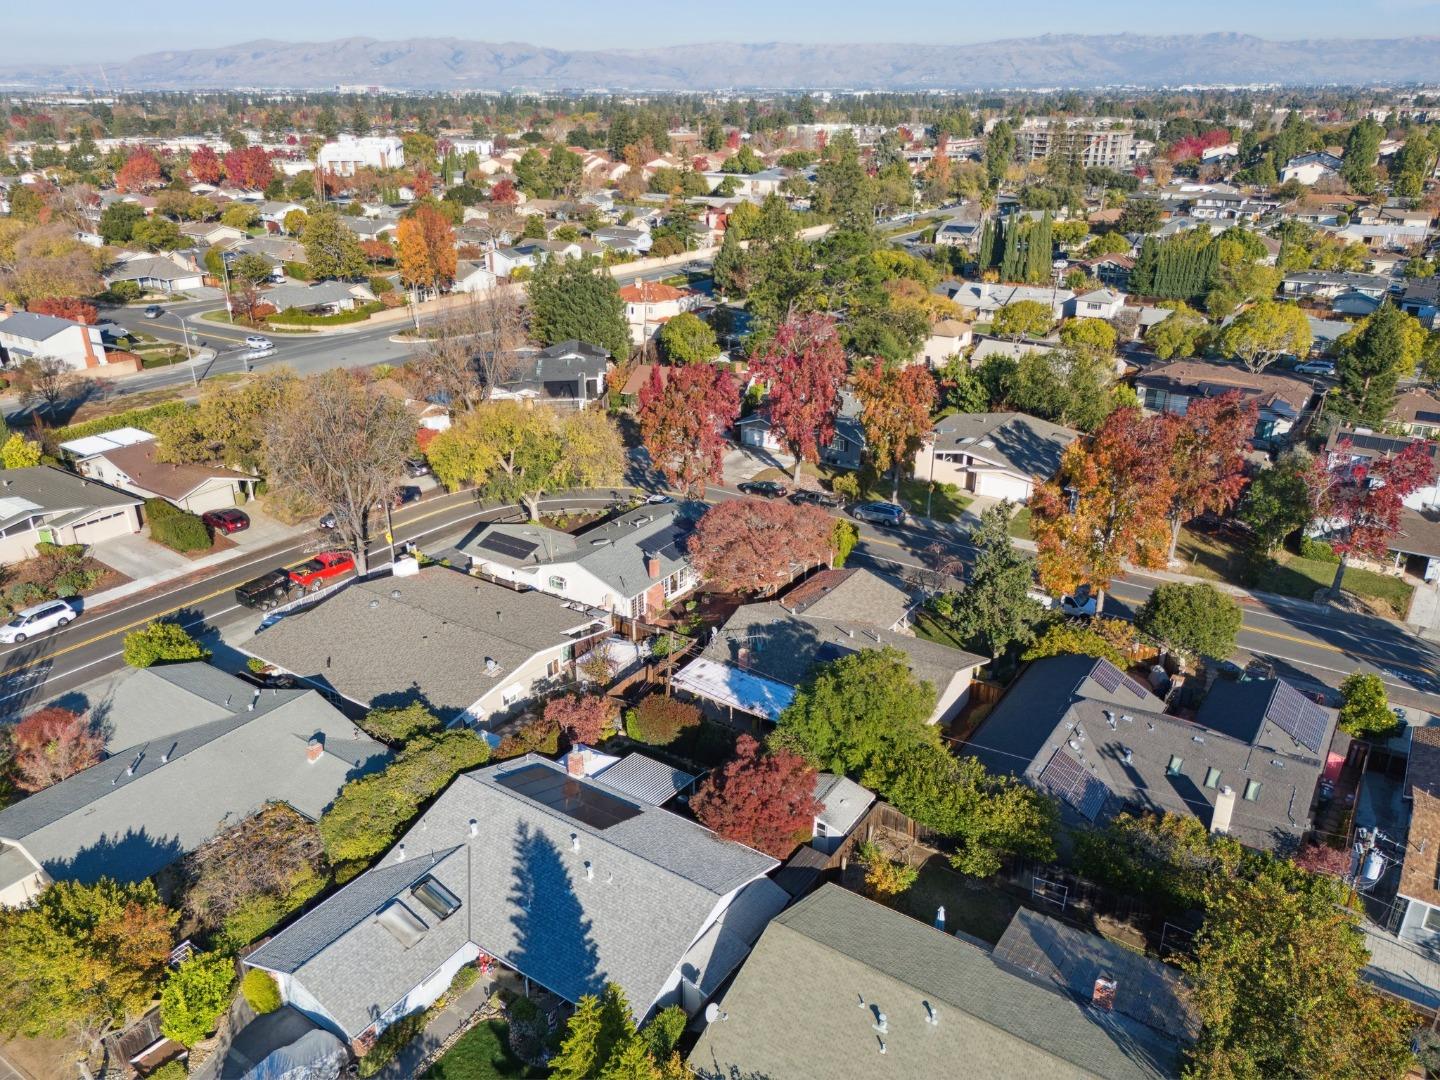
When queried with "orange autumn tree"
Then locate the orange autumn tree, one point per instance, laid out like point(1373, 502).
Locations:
point(1107, 506)
point(896, 404)
point(426, 245)
point(140, 172)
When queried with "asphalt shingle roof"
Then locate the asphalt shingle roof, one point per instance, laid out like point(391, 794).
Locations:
point(54, 491)
point(1016, 441)
point(26, 324)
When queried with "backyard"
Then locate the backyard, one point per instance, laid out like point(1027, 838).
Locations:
point(482, 1053)
point(972, 907)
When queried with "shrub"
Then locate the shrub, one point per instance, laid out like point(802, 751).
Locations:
point(141, 418)
point(660, 720)
point(528, 1030)
point(400, 723)
point(465, 978)
point(391, 1041)
point(538, 735)
point(174, 1069)
point(381, 285)
point(161, 642)
point(846, 485)
point(297, 270)
point(255, 665)
point(1319, 550)
point(260, 991)
point(195, 996)
point(180, 531)
point(122, 292)
point(664, 1031)
point(885, 877)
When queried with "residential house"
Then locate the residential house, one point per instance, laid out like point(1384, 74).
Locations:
point(1381, 235)
point(472, 276)
point(959, 234)
point(210, 233)
point(323, 297)
point(1349, 446)
point(1112, 271)
point(472, 652)
point(347, 153)
point(1421, 298)
point(931, 1003)
point(755, 662)
point(623, 239)
point(1001, 455)
point(1329, 284)
point(1280, 396)
point(1417, 412)
point(530, 254)
point(25, 336)
point(851, 593)
point(155, 273)
point(568, 374)
point(1419, 886)
point(559, 876)
point(651, 304)
point(79, 452)
point(636, 565)
point(372, 228)
point(193, 487)
point(986, 347)
point(982, 299)
point(1101, 743)
point(274, 211)
point(46, 505)
point(1096, 304)
point(194, 749)
point(1355, 304)
point(947, 338)
point(1310, 169)
point(1326, 333)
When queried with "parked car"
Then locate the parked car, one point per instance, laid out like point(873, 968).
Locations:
point(817, 498)
point(264, 592)
point(329, 521)
point(226, 521)
point(766, 489)
point(417, 466)
point(879, 513)
point(154, 311)
point(258, 341)
point(27, 622)
point(1317, 367)
point(1081, 602)
point(327, 565)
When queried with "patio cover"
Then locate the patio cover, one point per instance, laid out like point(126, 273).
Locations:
point(740, 689)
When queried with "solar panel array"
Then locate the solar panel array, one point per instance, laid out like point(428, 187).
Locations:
point(1112, 679)
point(1068, 779)
point(504, 544)
point(568, 795)
point(1296, 715)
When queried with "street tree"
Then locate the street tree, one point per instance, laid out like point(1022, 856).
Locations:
point(683, 421)
point(994, 609)
point(577, 299)
point(52, 744)
point(1265, 331)
point(895, 413)
point(41, 380)
point(687, 339)
point(803, 367)
point(1365, 708)
point(331, 249)
point(755, 545)
point(1191, 620)
point(1108, 506)
point(763, 800)
point(1207, 446)
point(161, 642)
point(426, 245)
point(339, 442)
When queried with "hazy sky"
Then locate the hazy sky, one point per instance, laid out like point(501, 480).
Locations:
point(109, 30)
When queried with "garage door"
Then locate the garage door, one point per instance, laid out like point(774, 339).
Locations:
point(1000, 486)
point(92, 532)
point(216, 498)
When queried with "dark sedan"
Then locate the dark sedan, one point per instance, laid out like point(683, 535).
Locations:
point(766, 489)
point(226, 521)
point(826, 499)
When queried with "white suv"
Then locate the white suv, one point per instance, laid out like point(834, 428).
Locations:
point(255, 341)
point(30, 621)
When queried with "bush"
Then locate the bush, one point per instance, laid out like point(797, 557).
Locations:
point(195, 996)
point(664, 1031)
point(1319, 550)
point(297, 270)
point(161, 642)
point(536, 736)
point(176, 529)
point(174, 1069)
point(391, 1041)
point(255, 665)
point(122, 292)
point(885, 878)
point(381, 285)
point(399, 724)
point(260, 991)
point(257, 916)
point(660, 720)
point(528, 1030)
point(295, 317)
point(141, 418)
point(465, 978)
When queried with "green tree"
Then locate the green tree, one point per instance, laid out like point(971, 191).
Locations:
point(1371, 365)
point(1024, 318)
point(1279, 500)
point(156, 234)
point(1365, 710)
point(399, 723)
point(251, 267)
point(1362, 146)
point(162, 643)
point(1165, 859)
point(1107, 639)
point(1096, 335)
point(600, 1029)
point(81, 958)
point(195, 996)
point(118, 221)
point(1266, 331)
point(856, 713)
point(18, 452)
point(688, 339)
point(994, 609)
point(331, 249)
point(1179, 334)
point(1192, 620)
point(576, 298)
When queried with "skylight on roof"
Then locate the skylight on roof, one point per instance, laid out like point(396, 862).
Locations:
point(404, 925)
point(439, 900)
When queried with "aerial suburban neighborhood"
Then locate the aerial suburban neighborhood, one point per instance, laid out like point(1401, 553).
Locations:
point(619, 559)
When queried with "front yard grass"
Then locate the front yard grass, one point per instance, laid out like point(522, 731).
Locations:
point(947, 504)
point(482, 1053)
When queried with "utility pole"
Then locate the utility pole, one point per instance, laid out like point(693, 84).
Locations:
point(189, 353)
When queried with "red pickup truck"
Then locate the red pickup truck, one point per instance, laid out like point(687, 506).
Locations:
point(323, 567)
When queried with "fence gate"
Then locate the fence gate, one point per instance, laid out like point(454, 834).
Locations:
point(1052, 892)
point(1175, 939)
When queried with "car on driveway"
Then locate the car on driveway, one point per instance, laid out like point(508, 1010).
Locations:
point(154, 311)
point(326, 566)
point(1081, 603)
point(267, 590)
point(766, 489)
point(416, 467)
point(879, 513)
point(817, 498)
point(226, 521)
point(258, 341)
point(27, 622)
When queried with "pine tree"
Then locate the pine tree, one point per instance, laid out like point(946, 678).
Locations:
point(1142, 277)
point(986, 256)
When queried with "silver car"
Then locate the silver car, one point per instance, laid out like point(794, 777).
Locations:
point(27, 622)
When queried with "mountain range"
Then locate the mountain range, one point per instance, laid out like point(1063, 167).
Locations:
point(1049, 61)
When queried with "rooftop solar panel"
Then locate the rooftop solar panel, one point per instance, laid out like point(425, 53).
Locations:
point(1296, 715)
point(505, 544)
point(1065, 776)
point(1107, 675)
point(568, 795)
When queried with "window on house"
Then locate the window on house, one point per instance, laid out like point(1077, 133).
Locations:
point(1212, 777)
point(557, 583)
point(1252, 790)
point(637, 606)
point(510, 695)
point(1432, 918)
point(1173, 769)
point(552, 669)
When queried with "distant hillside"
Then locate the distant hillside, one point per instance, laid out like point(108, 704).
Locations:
point(1048, 61)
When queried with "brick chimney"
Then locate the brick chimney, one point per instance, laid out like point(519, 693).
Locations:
point(314, 750)
point(652, 566)
point(575, 763)
point(1103, 996)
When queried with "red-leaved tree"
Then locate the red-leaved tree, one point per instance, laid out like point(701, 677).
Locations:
point(249, 168)
point(140, 172)
point(205, 166)
point(765, 801)
point(896, 404)
point(65, 307)
point(757, 545)
point(803, 367)
point(683, 422)
point(1207, 457)
point(584, 718)
point(1358, 505)
point(504, 193)
point(52, 744)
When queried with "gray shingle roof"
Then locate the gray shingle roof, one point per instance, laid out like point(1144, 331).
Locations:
point(792, 1010)
point(188, 783)
point(26, 324)
point(1016, 441)
point(428, 644)
point(850, 594)
point(54, 491)
point(570, 905)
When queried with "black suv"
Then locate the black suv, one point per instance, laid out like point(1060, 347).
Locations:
point(267, 590)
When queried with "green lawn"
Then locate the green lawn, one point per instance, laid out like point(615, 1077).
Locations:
point(482, 1053)
point(222, 317)
point(928, 627)
point(1020, 524)
point(974, 907)
point(947, 504)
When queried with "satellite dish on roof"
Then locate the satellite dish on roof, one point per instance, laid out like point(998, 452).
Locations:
point(713, 1013)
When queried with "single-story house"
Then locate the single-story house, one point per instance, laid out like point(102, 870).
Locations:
point(851, 594)
point(211, 233)
point(559, 876)
point(757, 660)
point(472, 276)
point(935, 1004)
point(986, 347)
point(1002, 455)
point(844, 450)
point(1096, 304)
point(154, 273)
point(472, 652)
point(1351, 446)
point(1102, 743)
point(194, 750)
point(1417, 412)
point(567, 374)
point(25, 335)
point(1332, 283)
point(80, 451)
point(983, 299)
point(1354, 303)
point(325, 297)
point(1281, 397)
point(193, 487)
point(624, 239)
point(1420, 868)
point(1421, 298)
point(46, 505)
point(947, 338)
point(636, 565)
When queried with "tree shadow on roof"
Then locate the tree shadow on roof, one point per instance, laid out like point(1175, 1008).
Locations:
point(129, 856)
point(554, 947)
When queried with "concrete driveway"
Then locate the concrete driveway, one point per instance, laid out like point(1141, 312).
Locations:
point(743, 462)
point(137, 558)
point(265, 530)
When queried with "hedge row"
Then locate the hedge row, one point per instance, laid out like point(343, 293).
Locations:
point(141, 418)
point(175, 528)
point(296, 317)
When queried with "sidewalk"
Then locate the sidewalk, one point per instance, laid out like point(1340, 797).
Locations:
point(407, 1064)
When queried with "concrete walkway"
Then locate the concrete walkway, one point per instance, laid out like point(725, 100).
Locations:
point(407, 1064)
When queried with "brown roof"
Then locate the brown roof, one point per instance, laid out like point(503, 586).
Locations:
point(1422, 772)
point(1419, 872)
point(651, 292)
point(1202, 378)
point(137, 461)
point(1416, 405)
point(640, 378)
point(1419, 533)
